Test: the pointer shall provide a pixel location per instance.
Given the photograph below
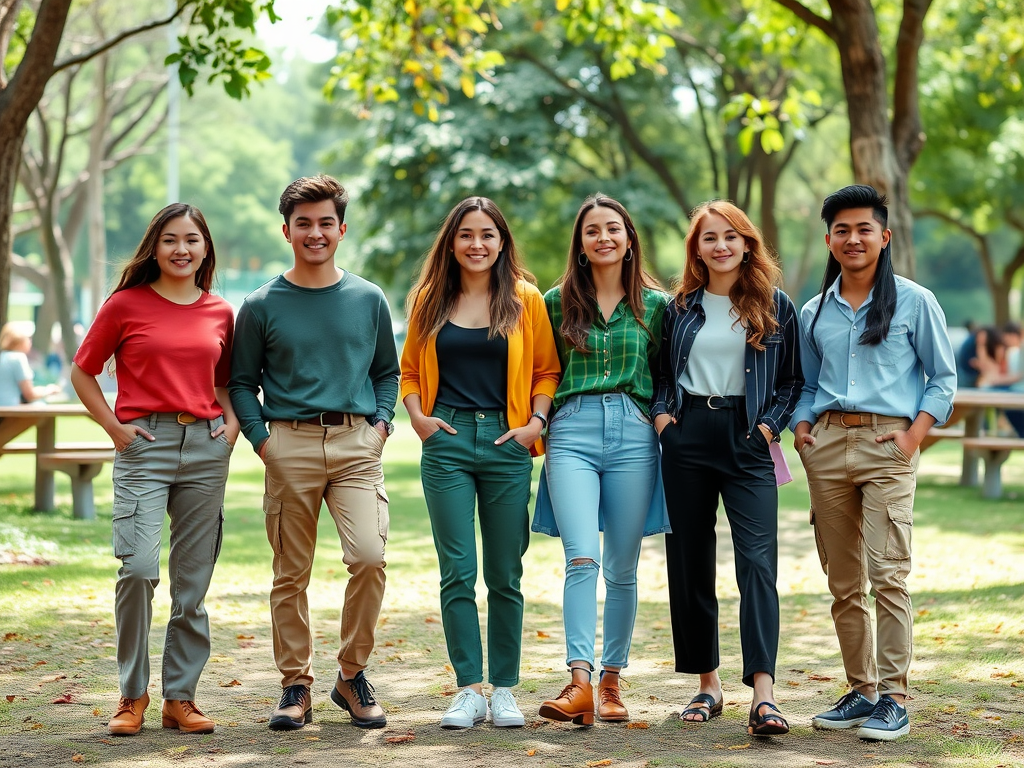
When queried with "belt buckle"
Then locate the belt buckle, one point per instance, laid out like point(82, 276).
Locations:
point(842, 421)
point(185, 418)
point(710, 406)
point(321, 420)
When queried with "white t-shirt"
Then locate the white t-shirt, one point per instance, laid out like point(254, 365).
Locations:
point(14, 369)
point(716, 359)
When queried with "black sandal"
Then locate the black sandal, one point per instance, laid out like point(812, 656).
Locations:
point(710, 709)
point(769, 724)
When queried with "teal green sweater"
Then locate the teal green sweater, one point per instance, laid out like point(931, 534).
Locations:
point(312, 350)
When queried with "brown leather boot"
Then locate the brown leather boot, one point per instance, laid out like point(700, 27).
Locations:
point(130, 715)
point(575, 703)
point(355, 696)
point(610, 706)
point(186, 717)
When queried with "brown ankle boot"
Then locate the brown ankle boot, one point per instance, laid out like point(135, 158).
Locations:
point(186, 717)
point(130, 714)
point(610, 706)
point(575, 703)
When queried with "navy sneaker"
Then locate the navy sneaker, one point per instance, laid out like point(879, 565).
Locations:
point(850, 711)
point(889, 721)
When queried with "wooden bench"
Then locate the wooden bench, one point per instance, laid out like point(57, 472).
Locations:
point(80, 461)
point(994, 451)
point(941, 433)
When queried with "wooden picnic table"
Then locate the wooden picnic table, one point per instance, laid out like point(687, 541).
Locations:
point(970, 406)
point(81, 461)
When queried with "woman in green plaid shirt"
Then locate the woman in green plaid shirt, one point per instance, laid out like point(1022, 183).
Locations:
point(601, 470)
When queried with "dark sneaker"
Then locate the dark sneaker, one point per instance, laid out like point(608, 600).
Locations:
point(888, 722)
point(355, 696)
point(294, 711)
point(850, 711)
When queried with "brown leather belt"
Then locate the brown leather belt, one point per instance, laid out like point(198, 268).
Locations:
point(849, 419)
point(185, 418)
point(333, 419)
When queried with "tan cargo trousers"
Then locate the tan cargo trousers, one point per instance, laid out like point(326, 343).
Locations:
point(339, 465)
point(862, 502)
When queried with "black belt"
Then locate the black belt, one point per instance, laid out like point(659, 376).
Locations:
point(332, 419)
point(715, 402)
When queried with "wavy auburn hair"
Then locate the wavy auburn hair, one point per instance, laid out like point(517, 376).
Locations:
point(432, 299)
point(579, 297)
point(753, 293)
point(143, 269)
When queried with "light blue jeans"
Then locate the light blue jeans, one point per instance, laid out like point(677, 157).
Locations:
point(602, 456)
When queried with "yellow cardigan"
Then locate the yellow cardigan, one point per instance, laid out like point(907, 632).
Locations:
point(533, 367)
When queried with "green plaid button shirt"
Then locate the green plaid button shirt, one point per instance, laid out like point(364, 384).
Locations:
point(622, 353)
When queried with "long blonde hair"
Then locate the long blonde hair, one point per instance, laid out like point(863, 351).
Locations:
point(432, 299)
point(753, 293)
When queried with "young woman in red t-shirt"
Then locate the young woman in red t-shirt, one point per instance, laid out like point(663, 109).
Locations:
point(173, 428)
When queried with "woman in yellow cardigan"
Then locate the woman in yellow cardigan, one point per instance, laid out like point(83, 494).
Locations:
point(479, 370)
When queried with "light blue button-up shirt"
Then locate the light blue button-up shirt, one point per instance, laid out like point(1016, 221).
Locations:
point(913, 370)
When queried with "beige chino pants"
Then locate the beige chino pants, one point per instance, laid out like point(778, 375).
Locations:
point(308, 465)
point(862, 500)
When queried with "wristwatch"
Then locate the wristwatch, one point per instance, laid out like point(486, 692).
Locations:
point(543, 421)
point(389, 427)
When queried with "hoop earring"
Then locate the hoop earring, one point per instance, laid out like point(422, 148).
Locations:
point(582, 259)
point(629, 254)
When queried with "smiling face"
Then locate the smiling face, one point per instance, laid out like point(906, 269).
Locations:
point(180, 249)
point(477, 243)
point(604, 236)
point(721, 248)
point(856, 240)
point(314, 232)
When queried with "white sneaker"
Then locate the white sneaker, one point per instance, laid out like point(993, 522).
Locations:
point(468, 709)
point(504, 712)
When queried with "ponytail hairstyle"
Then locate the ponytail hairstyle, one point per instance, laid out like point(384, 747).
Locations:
point(578, 294)
point(432, 299)
point(143, 269)
point(753, 293)
point(883, 304)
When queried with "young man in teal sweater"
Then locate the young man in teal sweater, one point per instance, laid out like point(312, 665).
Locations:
point(317, 340)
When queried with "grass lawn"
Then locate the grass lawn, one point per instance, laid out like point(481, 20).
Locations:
point(57, 631)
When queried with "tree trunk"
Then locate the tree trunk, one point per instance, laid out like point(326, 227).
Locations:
point(63, 283)
point(10, 161)
point(94, 192)
point(872, 148)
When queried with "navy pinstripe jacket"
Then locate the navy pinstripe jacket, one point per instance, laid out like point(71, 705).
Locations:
point(773, 376)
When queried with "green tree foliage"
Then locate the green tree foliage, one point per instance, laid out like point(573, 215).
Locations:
point(971, 172)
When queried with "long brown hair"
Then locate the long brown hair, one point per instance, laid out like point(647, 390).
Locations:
point(579, 297)
point(753, 293)
point(143, 269)
point(432, 300)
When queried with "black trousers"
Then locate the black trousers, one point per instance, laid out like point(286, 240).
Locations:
point(705, 455)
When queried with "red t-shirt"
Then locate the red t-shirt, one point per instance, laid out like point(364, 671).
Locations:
point(168, 357)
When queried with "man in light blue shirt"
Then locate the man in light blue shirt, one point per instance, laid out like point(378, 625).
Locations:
point(879, 373)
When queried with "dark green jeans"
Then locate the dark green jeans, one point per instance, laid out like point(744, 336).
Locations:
point(461, 473)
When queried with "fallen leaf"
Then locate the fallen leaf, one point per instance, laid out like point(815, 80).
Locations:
point(106, 741)
point(821, 678)
point(739, 746)
point(312, 738)
point(10, 636)
point(824, 762)
point(215, 750)
point(9, 698)
point(53, 678)
point(40, 663)
point(401, 738)
point(229, 684)
point(595, 763)
point(793, 683)
point(65, 699)
point(79, 758)
point(36, 726)
point(637, 724)
point(245, 637)
point(531, 752)
point(430, 620)
point(97, 712)
point(543, 635)
point(996, 675)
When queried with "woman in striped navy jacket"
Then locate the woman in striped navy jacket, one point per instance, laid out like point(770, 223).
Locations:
point(730, 379)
